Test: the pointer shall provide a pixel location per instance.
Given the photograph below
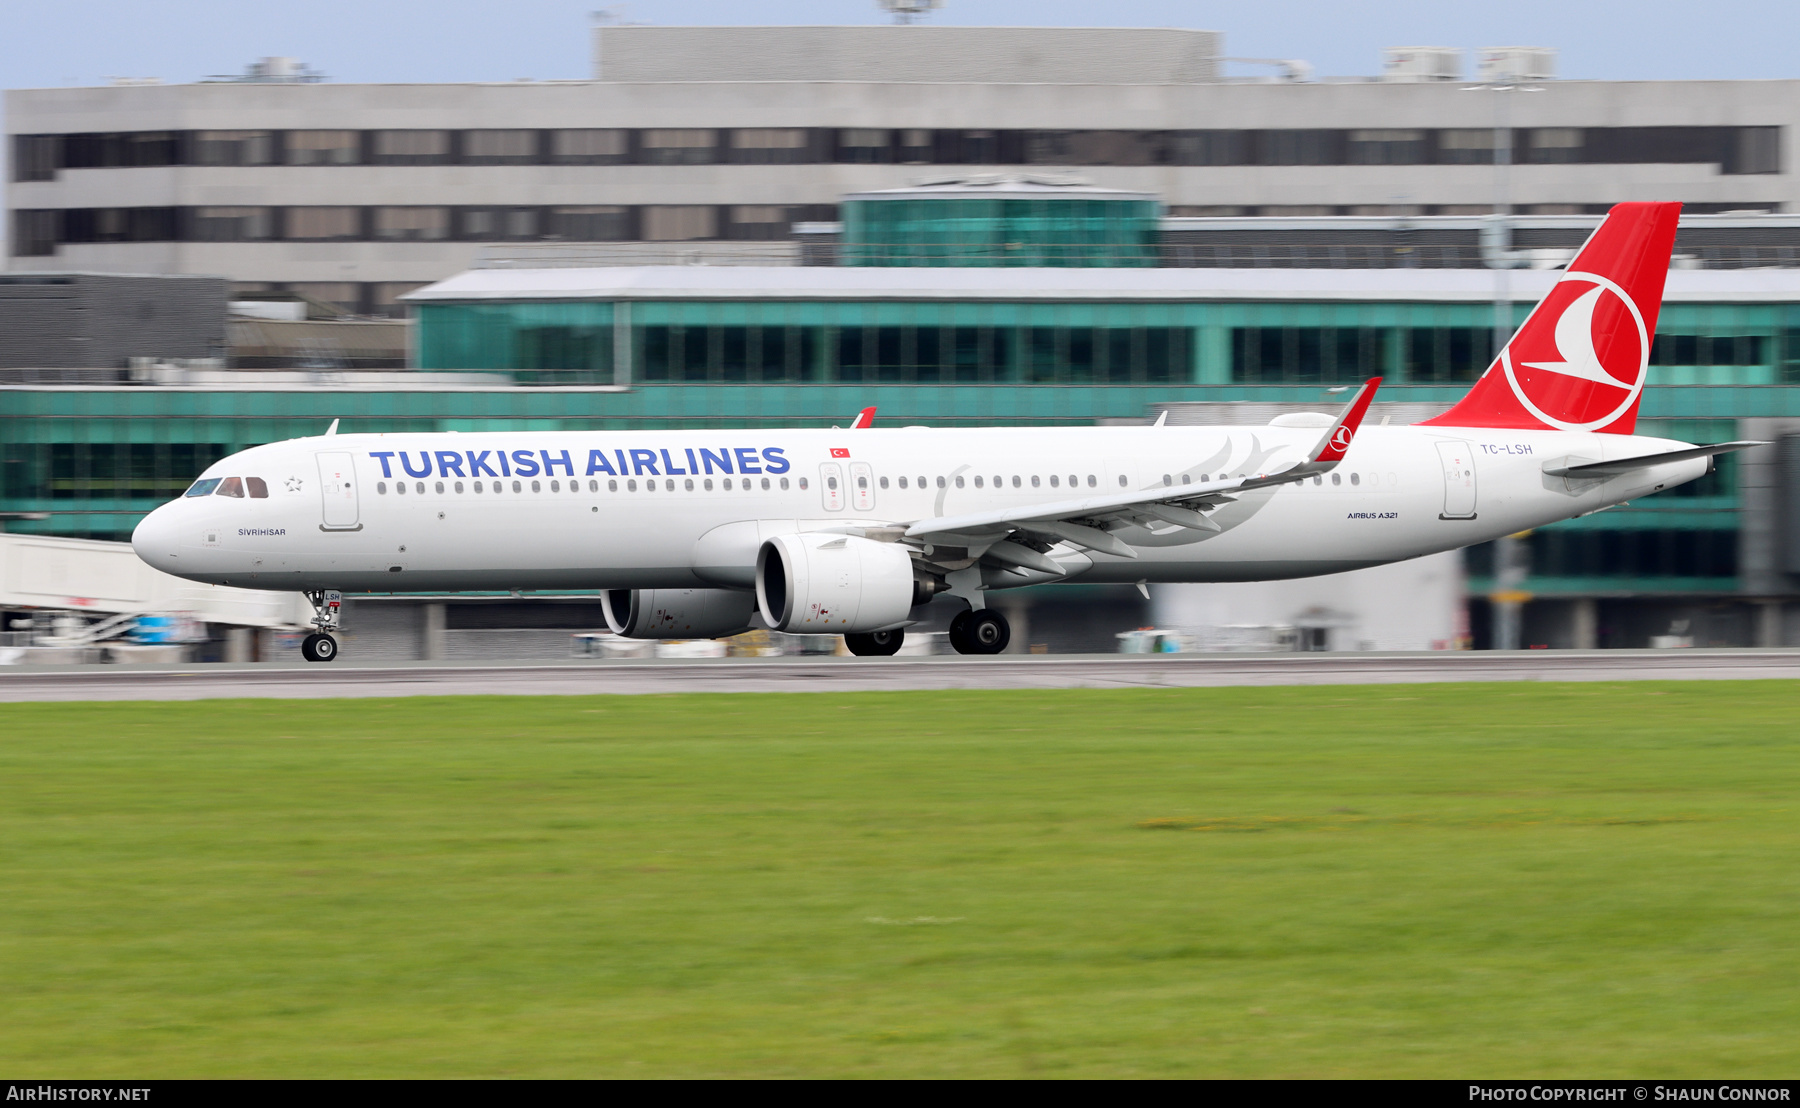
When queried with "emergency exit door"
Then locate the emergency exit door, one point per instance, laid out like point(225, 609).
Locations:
point(337, 488)
point(1459, 480)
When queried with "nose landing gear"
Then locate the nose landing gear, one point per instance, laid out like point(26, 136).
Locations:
point(320, 646)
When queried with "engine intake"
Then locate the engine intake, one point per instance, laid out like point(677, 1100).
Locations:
point(814, 583)
point(677, 613)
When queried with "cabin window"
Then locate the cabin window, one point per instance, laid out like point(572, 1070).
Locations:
point(861, 482)
point(784, 484)
point(1337, 478)
point(440, 488)
point(399, 488)
point(459, 487)
point(419, 487)
point(1092, 481)
point(884, 482)
point(1185, 479)
point(555, 486)
point(902, 482)
point(1034, 481)
point(802, 484)
point(612, 486)
point(689, 483)
point(831, 482)
point(727, 484)
point(381, 487)
point(765, 483)
point(959, 482)
point(231, 486)
point(535, 487)
point(631, 486)
point(517, 487)
point(1168, 480)
point(1016, 481)
point(1121, 480)
point(1356, 478)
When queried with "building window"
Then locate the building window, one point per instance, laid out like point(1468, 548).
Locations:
point(323, 224)
point(1755, 150)
point(323, 148)
point(679, 146)
point(771, 146)
point(1388, 147)
point(864, 146)
point(1554, 145)
point(36, 157)
point(234, 148)
point(410, 147)
point(915, 146)
point(499, 147)
point(759, 221)
point(1301, 148)
point(1090, 148)
point(590, 146)
point(680, 223)
point(232, 224)
point(82, 225)
point(972, 148)
point(590, 224)
point(1466, 146)
point(498, 224)
point(1446, 354)
point(1306, 355)
point(1207, 148)
point(412, 224)
point(35, 233)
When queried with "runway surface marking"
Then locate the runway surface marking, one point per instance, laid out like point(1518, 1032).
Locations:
point(346, 679)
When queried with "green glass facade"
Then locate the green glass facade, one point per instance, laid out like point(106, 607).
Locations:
point(94, 461)
point(1007, 231)
point(1048, 342)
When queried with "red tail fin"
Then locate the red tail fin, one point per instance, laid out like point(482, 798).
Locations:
point(1579, 361)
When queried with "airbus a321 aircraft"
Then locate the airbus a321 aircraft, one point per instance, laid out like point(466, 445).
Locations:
point(699, 534)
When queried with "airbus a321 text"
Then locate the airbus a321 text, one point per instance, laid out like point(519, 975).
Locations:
point(703, 534)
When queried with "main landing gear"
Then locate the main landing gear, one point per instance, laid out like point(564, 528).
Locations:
point(876, 644)
point(320, 646)
point(980, 631)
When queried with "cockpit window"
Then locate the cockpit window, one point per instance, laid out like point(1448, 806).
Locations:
point(259, 489)
point(231, 486)
point(203, 487)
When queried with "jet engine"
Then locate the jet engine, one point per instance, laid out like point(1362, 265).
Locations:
point(677, 613)
point(813, 583)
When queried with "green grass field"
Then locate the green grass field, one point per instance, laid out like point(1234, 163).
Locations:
point(1477, 880)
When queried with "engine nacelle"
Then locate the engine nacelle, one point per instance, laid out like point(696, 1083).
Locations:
point(677, 613)
point(822, 584)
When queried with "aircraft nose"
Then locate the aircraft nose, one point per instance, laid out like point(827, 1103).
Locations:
point(155, 539)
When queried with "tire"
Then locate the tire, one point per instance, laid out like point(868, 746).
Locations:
point(319, 648)
point(958, 623)
point(876, 644)
point(982, 632)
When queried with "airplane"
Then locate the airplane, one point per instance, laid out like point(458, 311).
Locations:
point(706, 534)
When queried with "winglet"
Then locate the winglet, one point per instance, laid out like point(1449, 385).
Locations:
point(1337, 439)
point(332, 430)
point(864, 418)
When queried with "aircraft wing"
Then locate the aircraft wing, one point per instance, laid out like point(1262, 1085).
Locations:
point(1085, 522)
point(1620, 466)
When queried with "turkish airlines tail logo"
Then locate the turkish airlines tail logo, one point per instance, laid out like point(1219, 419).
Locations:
point(1579, 361)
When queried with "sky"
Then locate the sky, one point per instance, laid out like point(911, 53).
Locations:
point(47, 43)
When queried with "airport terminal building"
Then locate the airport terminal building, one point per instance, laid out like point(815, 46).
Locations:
point(1018, 226)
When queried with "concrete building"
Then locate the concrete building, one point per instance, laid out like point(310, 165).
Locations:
point(356, 194)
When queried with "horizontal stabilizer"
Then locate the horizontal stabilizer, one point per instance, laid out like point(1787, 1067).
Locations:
point(1621, 466)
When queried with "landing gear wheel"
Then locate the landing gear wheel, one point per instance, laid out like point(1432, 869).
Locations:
point(980, 632)
point(876, 644)
point(319, 648)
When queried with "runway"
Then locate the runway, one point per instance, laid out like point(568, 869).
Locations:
point(582, 678)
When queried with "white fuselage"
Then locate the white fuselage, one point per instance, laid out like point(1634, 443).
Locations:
point(682, 509)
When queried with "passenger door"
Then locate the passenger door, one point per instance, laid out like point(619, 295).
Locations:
point(337, 488)
point(862, 486)
point(831, 486)
point(1459, 480)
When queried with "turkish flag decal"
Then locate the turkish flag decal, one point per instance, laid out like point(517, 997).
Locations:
point(839, 452)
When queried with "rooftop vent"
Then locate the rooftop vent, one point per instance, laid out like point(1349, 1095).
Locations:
point(1421, 63)
point(1516, 63)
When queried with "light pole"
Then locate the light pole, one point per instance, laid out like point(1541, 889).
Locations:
point(1510, 557)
